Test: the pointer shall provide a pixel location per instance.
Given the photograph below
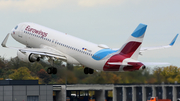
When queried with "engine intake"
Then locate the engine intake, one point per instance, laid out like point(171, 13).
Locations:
point(28, 57)
point(33, 58)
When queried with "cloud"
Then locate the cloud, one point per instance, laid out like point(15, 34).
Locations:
point(91, 3)
point(29, 5)
point(40, 5)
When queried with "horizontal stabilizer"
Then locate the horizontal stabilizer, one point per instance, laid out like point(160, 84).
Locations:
point(155, 63)
point(118, 63)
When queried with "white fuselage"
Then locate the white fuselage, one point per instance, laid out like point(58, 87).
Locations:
point(37, 36)
point(43, 41)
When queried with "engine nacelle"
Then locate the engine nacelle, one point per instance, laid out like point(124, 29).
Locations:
point(27, 57)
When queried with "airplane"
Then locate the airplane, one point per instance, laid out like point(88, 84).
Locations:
point(43, 42)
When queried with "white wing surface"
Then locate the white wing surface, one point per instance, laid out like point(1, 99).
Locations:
point(44, 52)
point(143, 49)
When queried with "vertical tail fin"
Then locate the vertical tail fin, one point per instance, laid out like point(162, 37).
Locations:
point(132, 47)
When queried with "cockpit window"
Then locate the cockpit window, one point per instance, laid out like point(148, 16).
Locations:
point(16, 27)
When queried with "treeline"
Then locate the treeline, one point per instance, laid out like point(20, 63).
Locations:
point(17, 70)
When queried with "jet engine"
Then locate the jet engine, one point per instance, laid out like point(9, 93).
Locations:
point(27, 57)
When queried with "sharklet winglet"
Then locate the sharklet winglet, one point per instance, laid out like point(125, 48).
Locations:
point(174, 40)
point(3, 44)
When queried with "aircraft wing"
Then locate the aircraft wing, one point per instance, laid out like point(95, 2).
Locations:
point(155, 63)
point(159, 47)
point(145, 63)
point(43, 51)
point(50, 52)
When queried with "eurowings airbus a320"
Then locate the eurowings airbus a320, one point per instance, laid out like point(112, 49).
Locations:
point(42, 42)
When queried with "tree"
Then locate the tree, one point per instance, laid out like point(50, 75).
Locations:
point(79, 72)
point(61, 81)
point(22, 73)
point(15, 63)
point(71, 78)
point(36, 67)
point(168, 74)
point(46, 78)
point(70, 66)
point(2, 62)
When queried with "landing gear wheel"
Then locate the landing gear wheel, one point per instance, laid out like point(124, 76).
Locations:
point(86, 70)
point(49, 70)
point(52, 70)
point(91, 71)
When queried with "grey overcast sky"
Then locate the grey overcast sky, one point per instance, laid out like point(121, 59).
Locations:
point(107, 22)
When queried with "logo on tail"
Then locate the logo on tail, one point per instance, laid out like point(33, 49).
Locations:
point(126, 57)
point(132, 46)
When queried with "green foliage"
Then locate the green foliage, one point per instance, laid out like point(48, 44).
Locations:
point(46, 78)
point(70, 66)
point(18, 70)
point(168, 74)
point(71, 78)
point(2, 63)
point(36, 67)
point(22, 73)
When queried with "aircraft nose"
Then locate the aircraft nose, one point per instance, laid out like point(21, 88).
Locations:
point(12, 31)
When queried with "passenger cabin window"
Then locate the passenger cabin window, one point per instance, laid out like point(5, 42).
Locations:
point(16, 27)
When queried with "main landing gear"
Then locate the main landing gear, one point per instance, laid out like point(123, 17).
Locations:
point(52, 70)
point(88, 70)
